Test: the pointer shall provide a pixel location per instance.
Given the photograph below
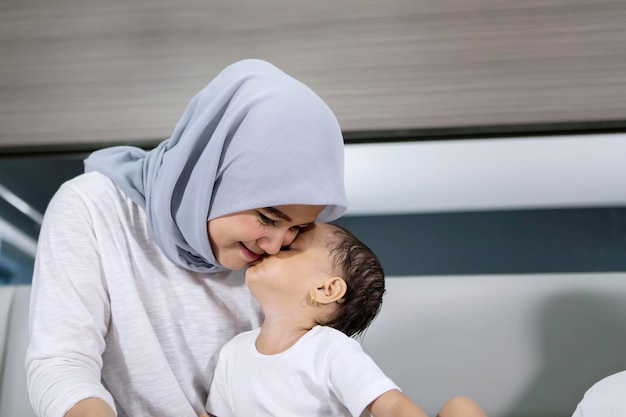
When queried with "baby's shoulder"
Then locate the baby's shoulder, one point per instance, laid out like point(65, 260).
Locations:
point(332, 338)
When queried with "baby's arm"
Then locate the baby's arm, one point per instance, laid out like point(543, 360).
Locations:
point(395, 404)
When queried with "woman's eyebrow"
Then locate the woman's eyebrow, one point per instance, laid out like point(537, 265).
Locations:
point(278, 213)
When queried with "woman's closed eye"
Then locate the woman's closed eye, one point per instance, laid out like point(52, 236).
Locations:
point(302, 227)
point(266, 221)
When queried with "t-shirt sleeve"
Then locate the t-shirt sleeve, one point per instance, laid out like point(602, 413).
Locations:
point(219, 400)
point(355, 378)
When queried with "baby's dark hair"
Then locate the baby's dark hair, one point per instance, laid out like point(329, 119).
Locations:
point(365, 279)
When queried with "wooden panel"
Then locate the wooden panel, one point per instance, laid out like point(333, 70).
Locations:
point(85, 71)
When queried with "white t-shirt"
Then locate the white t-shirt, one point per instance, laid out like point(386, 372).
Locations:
point(606, 398)
point(325, 373)
point(111, 317)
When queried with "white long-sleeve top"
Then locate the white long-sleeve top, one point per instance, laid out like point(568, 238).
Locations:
point(111, 317)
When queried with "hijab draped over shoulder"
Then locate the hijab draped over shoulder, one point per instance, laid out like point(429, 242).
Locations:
point(253, 137)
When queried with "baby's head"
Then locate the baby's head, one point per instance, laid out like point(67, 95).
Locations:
point(326, 276)
point(359, 267)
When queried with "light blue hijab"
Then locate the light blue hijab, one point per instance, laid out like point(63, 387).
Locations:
point(253, 137)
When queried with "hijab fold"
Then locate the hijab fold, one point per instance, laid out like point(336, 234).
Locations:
point(253, 137)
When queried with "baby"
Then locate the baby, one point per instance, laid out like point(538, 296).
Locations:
point(316, 295)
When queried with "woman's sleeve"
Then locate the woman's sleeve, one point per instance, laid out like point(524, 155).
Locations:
point(69, 309)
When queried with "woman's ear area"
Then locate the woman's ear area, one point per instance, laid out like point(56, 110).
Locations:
point(332, 289)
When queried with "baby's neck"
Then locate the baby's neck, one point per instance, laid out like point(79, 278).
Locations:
point(279, 334)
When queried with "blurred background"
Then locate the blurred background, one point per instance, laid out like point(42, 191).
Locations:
point(77, 75)
point(83, 71)
point(482, 137)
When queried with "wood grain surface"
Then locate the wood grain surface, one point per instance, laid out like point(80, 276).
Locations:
point(86, 71)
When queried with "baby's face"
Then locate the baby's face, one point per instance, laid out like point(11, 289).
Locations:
point(294, 271)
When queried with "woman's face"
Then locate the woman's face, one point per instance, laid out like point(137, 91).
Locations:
point(240, 238)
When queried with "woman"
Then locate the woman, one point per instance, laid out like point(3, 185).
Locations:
point(138, 277)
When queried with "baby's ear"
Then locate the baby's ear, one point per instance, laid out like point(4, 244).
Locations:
point(332, 289)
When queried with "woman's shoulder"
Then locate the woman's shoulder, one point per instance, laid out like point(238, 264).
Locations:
point(89, 181)
point(91, 192)
point(91, 186)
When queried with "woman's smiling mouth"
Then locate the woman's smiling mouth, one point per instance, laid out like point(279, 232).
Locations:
point(248, 253)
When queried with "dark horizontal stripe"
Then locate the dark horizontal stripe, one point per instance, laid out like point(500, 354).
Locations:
point(486, 131)
point(496, 242)
point(366, 136)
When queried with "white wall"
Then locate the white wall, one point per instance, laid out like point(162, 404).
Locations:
point(521, 345)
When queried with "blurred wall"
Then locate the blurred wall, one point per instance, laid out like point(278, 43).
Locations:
point(84, 71)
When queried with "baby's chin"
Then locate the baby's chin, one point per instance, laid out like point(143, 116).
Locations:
point(254, 263)
point(251, 271)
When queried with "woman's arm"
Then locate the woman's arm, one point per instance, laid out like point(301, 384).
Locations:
point(69, 310)
point(395, 404)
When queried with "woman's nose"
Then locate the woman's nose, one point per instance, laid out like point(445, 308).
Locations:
point(273, 242)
